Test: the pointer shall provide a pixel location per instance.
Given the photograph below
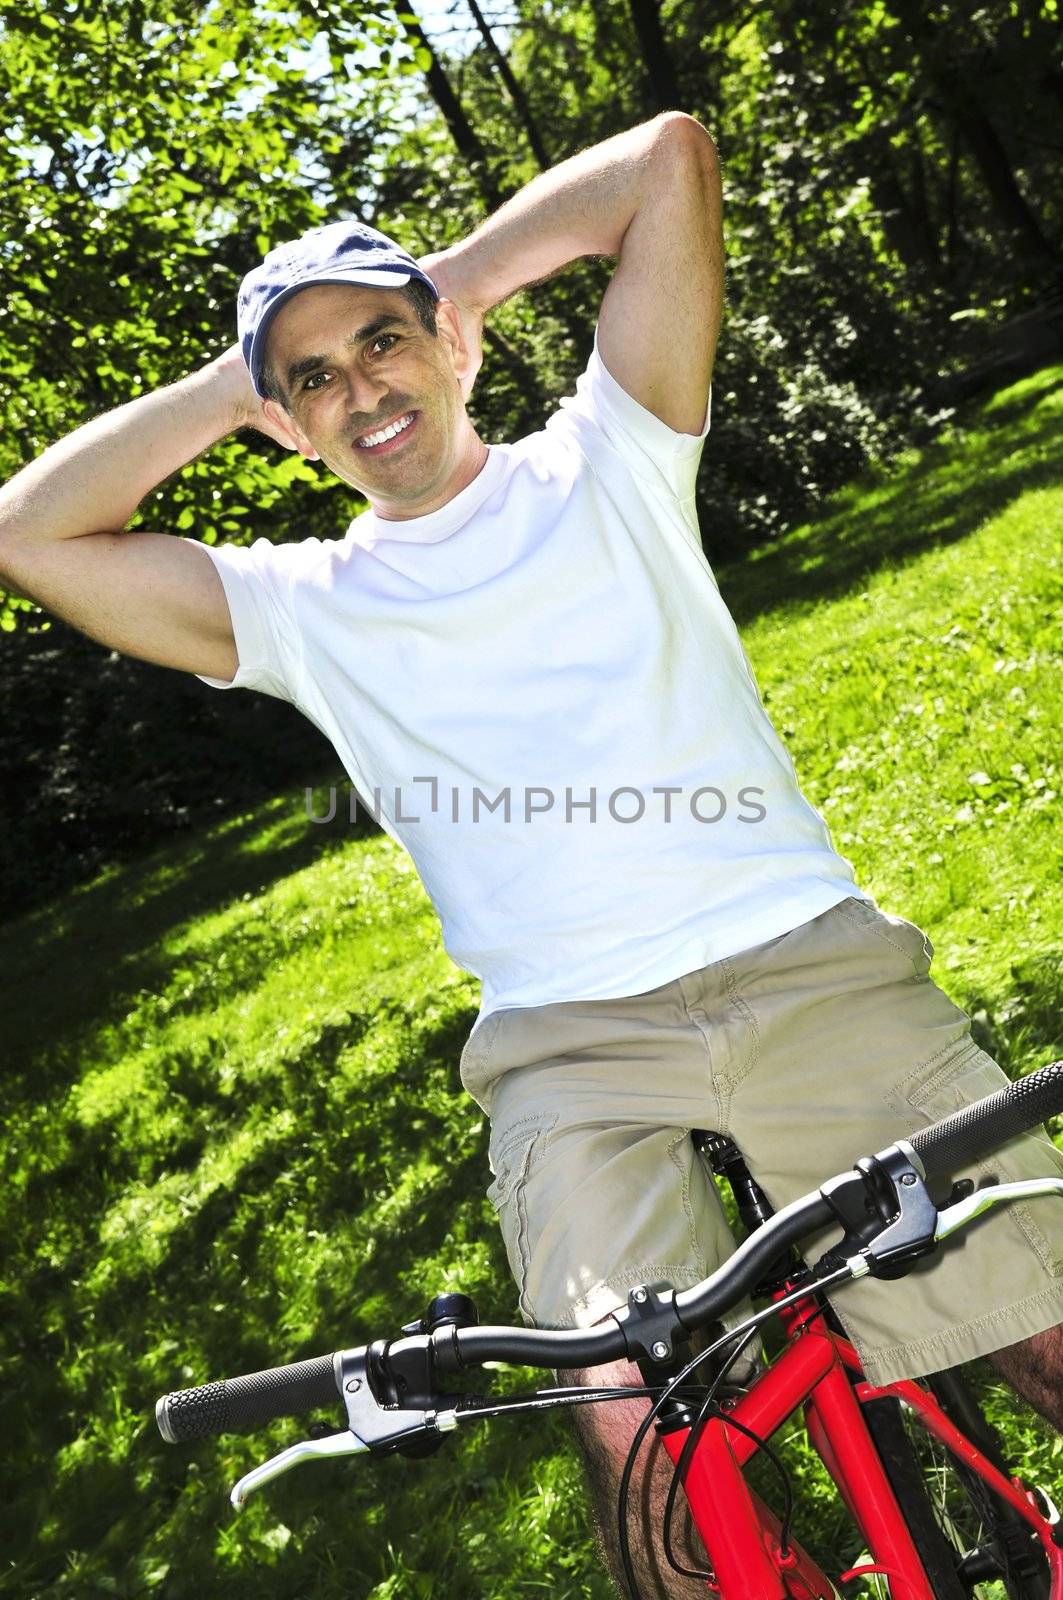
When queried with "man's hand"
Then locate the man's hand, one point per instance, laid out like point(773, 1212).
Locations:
point(441, 266)
point(234, 381)
point(63, 536)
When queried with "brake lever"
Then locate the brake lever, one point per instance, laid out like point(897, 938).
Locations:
point(887, 1213)
point(973, 1205)
point(371, 1425)
point(336, 1444)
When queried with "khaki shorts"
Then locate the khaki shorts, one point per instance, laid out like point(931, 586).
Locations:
point(810, 1050)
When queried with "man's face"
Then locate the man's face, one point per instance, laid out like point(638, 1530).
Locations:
point(346, 373)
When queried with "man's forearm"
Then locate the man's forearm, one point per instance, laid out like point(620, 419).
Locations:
point(582, 207)
point(93, 480)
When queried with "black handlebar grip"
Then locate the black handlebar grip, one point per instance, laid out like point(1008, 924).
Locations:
point(957, 1140)
point(238, 1403)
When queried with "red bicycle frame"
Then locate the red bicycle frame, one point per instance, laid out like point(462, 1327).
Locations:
point(742, 1535)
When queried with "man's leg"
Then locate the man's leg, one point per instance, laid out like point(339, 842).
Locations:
point(823, 1043)
point(598, 1187)
point(604, 1433)
point(1034, 1369)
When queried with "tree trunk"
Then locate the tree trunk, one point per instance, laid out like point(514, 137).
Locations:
point(976, 128)
point(453, 112)
point(664, 85)
point(904, 228)
point(921, 209)
point(1052, 83)
point(516, 93)
point(984, 144)
point(952, 233)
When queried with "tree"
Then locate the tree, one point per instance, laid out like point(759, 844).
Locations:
point(891, 180)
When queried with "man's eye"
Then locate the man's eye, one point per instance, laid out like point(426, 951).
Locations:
point(312, 380)
point(380, 339)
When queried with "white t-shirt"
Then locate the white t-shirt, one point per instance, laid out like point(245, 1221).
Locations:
point(554, 633)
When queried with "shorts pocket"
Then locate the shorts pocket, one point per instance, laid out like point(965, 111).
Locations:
point(519, 1146)
point(909, 942)
point(962, 1074)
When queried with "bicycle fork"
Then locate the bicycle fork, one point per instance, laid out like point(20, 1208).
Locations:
point(742, 1535)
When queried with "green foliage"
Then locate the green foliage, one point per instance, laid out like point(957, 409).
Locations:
point(889, 172)
point(152, 153)
point(236, 1134)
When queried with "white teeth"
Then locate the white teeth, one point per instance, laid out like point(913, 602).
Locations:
point(387, 433)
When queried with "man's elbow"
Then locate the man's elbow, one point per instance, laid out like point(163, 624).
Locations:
point(696, 135)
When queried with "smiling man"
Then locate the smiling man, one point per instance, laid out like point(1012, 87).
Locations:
point(314, 355)
point(519, 649)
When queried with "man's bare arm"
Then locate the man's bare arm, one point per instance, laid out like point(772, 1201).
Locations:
point(61, 520)
point(651, 196)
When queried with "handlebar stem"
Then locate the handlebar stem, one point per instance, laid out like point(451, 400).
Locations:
point(651, 1325)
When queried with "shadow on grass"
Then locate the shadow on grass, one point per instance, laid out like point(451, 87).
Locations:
point(1029, 1021)
point(1009, 446)
point(218, 1299)
point(55, 957)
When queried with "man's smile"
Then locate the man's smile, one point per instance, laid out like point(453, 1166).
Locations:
point(381, 441)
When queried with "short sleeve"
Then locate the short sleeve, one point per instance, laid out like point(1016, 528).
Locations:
point(257, 582)
point(649, 446)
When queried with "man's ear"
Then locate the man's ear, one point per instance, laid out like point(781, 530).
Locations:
point(462, 329)
point(283, 428)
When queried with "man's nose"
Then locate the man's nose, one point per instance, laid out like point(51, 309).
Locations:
point(365, 395)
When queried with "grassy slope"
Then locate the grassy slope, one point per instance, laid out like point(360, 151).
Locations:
point(236, 1135)
point(915, 675)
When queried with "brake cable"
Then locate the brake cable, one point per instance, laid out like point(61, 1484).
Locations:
point(840, 1275)
point(686, 1455)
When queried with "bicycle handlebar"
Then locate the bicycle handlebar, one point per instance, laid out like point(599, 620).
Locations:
point(233, 1404)
point(961, 1138)
point(259, 1397)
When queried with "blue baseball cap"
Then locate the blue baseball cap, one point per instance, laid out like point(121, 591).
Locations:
point(340, 252)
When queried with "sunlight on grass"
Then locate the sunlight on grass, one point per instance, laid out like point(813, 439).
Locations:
point(236, 1134)
point(920, 715)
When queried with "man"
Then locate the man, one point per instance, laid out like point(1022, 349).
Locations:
point(520, 651)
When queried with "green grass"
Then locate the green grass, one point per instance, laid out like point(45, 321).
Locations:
point(235, 1130)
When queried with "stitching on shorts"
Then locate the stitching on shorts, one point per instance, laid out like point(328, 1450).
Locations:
point(515, 1131)
point(953, 1057)
point(946, 1336)
point(700, 1022)
point(684, 1180)
point(477, 1055)
point(880, 933)
point(747, 1012)
point(520, 1201)
point(515, 1189)
point(1037, 1240)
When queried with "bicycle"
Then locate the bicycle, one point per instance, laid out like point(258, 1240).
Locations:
point(395, 1392)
